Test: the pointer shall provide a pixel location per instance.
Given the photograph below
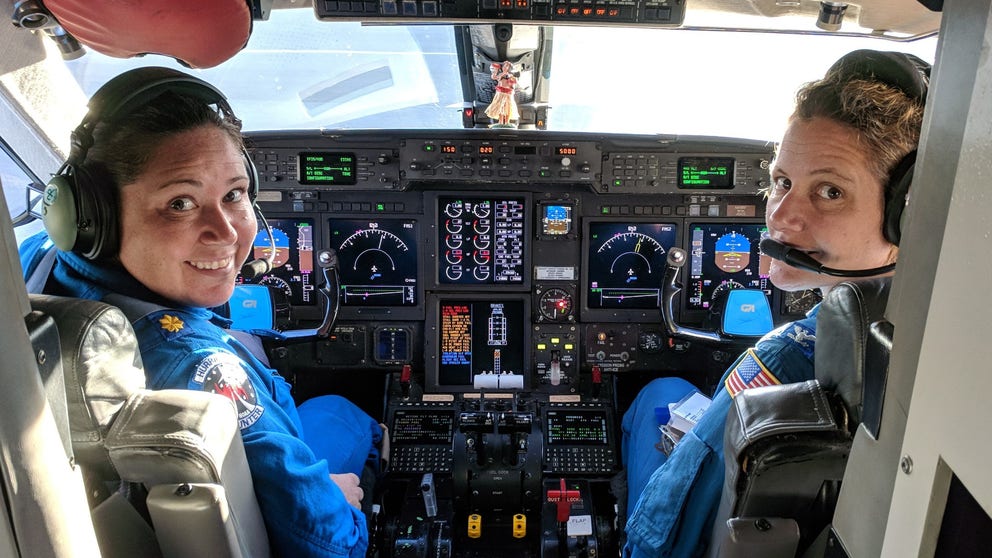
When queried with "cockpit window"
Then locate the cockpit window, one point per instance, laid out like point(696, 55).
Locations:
point(344, 75)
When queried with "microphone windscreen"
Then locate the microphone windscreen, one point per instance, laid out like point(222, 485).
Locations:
point(255, 268)
point(772, 249)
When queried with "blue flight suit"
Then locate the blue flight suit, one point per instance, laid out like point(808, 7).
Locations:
point(674, 498)
point(305, 512)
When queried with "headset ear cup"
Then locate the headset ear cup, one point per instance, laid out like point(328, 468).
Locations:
point(59, 212)
point(252, 176)
point(897, 197)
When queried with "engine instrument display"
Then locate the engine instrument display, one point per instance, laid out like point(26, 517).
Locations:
point(626, 263)
point(292, 260)
point(481, 342)
point(378, 261)
point(725, 256)
point(481, 241)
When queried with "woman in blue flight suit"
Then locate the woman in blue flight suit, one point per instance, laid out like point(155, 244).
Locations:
point(830, 183)
point(154, 209)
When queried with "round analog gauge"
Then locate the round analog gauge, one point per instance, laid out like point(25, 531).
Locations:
point(555, 304)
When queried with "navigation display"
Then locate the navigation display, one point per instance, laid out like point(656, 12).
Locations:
point(481, 240)
point(377, 261)
point(293, 262)
point(725, 256)
point(481, 342)
point(626, 263)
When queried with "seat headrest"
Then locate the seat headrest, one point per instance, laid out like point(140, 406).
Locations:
point(842, 329)
point(102, 367)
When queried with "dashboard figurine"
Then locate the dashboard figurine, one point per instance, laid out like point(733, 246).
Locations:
point(503, 108)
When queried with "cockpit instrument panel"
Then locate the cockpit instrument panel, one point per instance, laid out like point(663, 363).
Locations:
point(378, 261)
point(293, 259)
point(481, 342)
point(625, 263)
point(724, 256)
point(481, 240)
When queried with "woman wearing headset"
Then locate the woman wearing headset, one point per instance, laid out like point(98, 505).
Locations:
point(176, 169)
point(830, 183)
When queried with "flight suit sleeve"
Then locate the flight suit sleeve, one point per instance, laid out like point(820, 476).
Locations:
point(674, 515)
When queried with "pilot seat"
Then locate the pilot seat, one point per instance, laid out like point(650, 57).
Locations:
point(182, 447)
point(786, 446)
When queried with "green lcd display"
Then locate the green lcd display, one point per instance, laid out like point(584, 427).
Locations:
point(706, 173)
point(318, 168)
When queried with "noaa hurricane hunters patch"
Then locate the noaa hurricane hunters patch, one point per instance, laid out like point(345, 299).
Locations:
point(222, 373)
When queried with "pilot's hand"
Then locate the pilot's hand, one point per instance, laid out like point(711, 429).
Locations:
point(348, 483)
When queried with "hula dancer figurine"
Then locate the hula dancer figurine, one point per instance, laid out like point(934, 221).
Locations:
point(503, 109)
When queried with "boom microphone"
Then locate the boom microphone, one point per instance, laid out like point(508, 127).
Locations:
point(801, 260)
point(259, 266)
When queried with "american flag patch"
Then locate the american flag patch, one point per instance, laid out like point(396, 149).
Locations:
point(749, 373)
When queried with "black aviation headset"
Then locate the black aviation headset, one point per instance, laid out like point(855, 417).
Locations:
point(911, 75)
point(82, 215)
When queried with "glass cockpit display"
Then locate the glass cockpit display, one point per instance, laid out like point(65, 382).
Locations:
point(725, 256)
point(292, 259)
point(626, 263)
point(377, 261)
point(481, 343)
point(481, 241)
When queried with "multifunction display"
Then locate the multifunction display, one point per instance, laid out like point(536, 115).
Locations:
point(481, 241)
point(422, 426)
point(291, 251)
point(321, 168)
point(481, 343)
point(576, 427)
point(377, 261)
point(725, 256)
point(626, 263)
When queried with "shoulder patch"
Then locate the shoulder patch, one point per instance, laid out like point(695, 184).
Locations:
point(223, 373)
point(749, 372)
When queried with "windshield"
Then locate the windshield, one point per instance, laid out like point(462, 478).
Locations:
point(602, 79)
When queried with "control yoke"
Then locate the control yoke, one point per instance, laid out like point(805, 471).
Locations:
point(746, 314)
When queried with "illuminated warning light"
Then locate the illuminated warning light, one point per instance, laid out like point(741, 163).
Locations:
point(505, 3)
point(469, 112)
point(522, 3)
point(587, 11)
point(614, 12)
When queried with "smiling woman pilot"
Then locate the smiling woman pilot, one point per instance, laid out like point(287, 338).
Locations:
point(155, 204)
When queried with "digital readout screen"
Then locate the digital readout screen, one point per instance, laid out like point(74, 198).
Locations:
point(319, 168)
point(422, 427)
point(576, 427)
point(706, 173)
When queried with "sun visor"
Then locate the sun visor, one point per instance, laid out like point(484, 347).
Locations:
point(198, 33)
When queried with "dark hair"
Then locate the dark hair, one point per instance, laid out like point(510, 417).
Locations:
point(122, 148)
point(887, 120)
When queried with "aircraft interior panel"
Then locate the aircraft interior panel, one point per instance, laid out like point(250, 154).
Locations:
point(505, 293)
